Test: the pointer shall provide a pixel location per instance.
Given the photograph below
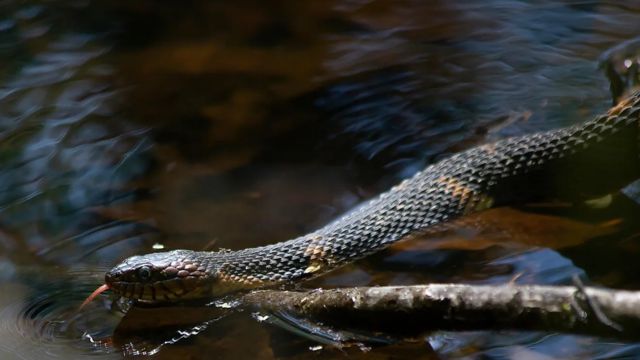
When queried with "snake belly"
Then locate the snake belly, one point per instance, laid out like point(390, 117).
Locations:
point(573, 163)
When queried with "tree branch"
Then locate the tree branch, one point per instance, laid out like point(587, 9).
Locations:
point(417, 309)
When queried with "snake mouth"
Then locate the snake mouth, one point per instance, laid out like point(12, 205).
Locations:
point(168, 290)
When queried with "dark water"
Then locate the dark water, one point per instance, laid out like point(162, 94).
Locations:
point(146, 125)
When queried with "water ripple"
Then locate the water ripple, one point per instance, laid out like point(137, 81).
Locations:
point(44, 321)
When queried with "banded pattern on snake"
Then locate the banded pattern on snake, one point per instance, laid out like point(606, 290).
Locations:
point(572, 163)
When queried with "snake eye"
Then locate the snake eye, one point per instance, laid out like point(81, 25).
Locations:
point(144, 273)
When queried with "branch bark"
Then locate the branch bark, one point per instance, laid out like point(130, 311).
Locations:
point(409, 310)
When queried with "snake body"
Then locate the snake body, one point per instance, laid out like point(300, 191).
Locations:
point(577, 162)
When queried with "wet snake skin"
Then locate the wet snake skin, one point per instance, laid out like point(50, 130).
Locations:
point(578, 162)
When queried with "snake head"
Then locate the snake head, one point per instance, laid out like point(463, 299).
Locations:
point(165, 276)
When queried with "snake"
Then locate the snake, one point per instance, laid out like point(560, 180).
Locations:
point(573, 163)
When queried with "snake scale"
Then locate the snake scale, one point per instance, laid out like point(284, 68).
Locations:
point(573, 163)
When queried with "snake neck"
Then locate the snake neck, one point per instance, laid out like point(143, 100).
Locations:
point(594, 158)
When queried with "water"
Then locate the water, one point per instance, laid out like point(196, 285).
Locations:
point(131, 127)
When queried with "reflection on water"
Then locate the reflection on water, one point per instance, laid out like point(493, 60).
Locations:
point(206, 125)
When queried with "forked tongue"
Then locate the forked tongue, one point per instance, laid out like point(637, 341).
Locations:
point(93, 295)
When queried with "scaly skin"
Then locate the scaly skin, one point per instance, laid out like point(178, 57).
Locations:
point(573, 163)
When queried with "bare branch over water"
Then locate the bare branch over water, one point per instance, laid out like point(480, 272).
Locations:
point(422, 308)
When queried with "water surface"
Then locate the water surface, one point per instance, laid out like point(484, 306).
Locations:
point(126, 128)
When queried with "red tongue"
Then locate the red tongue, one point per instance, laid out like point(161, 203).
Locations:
point(93, 295)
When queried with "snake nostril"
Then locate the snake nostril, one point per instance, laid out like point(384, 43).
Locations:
point(113, 276)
